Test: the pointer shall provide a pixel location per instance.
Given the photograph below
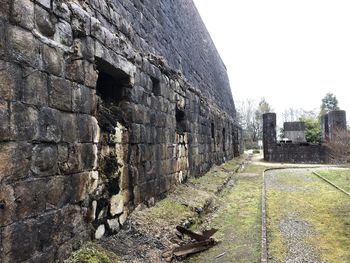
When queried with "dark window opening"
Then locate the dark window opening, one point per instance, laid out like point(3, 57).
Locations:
point(112, 87)
point(155, 86)
point(112, 84)
point(180, 121)
point(223, 139)
point(212, 130)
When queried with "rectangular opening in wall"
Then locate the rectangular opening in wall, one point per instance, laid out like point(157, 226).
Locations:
point(112, 83)
point(155, 86)
point(180, 120)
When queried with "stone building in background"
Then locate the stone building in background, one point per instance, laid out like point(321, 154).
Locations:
point(296, 149)
point(104, 104)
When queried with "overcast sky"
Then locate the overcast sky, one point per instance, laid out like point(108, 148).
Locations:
point(290, 52)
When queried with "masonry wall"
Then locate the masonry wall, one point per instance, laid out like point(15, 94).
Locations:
point(301, 152)
point(298, 153)
point(103, 105)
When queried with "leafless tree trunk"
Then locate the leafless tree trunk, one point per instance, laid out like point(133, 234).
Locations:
point(339, 147)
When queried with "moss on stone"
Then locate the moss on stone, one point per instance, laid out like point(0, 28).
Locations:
point(92, 253)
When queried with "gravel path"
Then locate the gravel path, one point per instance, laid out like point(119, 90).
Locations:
point(293, 229)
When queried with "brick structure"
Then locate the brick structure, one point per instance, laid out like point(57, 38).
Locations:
point(103, 105)
point(297, 150)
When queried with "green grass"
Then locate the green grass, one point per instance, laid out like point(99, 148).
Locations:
point(239, 222)
point(340, 178)
point(326, 209)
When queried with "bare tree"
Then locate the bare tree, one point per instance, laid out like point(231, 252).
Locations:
point(339, 147)
point(250, 118)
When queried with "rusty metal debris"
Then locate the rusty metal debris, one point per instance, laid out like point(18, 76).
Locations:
point(198, 242)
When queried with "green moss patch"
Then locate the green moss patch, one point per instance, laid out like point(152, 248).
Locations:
point(92, 253)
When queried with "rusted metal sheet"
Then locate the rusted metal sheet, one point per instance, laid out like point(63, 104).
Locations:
point(193, 247)
point(206, 234)
point(199, 242)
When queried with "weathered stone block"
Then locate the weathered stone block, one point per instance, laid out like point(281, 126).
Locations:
point(80, 21)
point(97, 29)
point(7, 205)
point(53, 60)
point(79, 184)
point(15, 160)
point(44, 3)
point(22, 13)
point(88, 51)
point(75, 70)
point(45, 22)
point(44, 160)
point(61, 9)
point(116, 205)
point(49, 125)
point(71, 222)
point(30, 198)
point(71, 189)
point(113, 225)
point(57, 196)
point(70, 162)
point(24, 121)
point(88, 156)
point(84, 99)
point(35, 87)
point(60, 94)
point(4, 8)
point(88, 129)
point(23, 47)
point(64, 34)
point(46, 225)
point(91, 75)
point(68, 127)
point(19, 241)
point(3, 27)
point(4, 120)
point(10, 81)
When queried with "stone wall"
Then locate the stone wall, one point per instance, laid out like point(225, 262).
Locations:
point(294, 131)
point(103, 105)
point(297, 151)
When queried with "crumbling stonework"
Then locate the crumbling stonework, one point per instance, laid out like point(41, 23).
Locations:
point(103, 105)
point(297, 150)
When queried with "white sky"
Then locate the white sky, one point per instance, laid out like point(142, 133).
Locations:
point(290, 52)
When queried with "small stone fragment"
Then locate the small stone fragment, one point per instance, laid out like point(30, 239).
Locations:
point(100, 232)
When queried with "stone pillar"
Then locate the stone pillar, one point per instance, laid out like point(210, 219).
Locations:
point(324, 128)
point(336, 122)
point(269, 134)
point(236, 141)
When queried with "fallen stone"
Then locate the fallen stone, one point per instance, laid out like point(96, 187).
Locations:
point(116, 205)
point(100, 232)
point(113, 225)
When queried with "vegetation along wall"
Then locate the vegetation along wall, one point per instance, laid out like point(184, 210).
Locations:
point(103, 105)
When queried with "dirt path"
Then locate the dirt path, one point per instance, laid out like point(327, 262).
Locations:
point(307, 219)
